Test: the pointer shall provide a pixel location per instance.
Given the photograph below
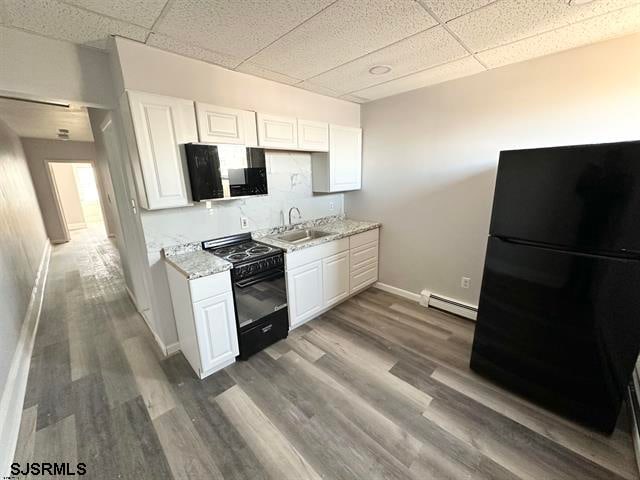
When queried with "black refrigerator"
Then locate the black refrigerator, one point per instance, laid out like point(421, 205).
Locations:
point(559, 312)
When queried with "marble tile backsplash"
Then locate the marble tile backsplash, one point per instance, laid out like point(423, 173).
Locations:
point(289, 177)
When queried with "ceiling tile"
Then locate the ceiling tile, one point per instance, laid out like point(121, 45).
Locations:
point(65, 22)
point(424, 50)
point(342, 32)
point(510, 20)
point(442, 73)
point(238, 28)
point(176, 46)
point(259, 71)
point(445, 10)
point(354, 98)
point(138, 12)
point(312, 87)
point(596, 29)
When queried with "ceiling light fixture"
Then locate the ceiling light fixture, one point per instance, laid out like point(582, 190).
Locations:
point(379, 69)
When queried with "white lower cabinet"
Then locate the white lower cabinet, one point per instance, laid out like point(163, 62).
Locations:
point(320, 277)
point(304, 292)
point(205, 320)
point(217, 336)
point(335, 278)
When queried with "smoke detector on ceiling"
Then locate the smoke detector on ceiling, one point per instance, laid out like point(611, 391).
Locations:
point(379, 69)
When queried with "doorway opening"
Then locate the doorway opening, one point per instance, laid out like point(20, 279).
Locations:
point(78, 196)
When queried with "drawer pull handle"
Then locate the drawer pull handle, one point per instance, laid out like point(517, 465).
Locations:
point(267, 328)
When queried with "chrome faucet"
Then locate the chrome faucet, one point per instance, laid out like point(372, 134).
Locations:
point(291, 211)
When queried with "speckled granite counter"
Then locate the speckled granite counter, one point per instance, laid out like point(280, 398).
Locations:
point(196, 263)
point(339, 227)
point(193, 262)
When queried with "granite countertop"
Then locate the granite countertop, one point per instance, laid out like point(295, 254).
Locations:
point(193, 262)
point(197, 263)
point(339, 227)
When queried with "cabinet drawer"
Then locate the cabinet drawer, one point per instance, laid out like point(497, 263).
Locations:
point(206, 287)
point(364, 238)
point(362, 255)
point(364, 277)
point(318, 252)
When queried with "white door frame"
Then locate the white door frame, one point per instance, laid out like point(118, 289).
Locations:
point(56, 194)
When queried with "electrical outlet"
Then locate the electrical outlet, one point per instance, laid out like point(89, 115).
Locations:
point(331, 206)
point(244, 222)
point(465, 282)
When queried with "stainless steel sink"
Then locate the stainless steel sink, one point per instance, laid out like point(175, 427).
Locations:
point(300, 236)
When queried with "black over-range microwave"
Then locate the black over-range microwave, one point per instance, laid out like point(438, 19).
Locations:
point(225, 171)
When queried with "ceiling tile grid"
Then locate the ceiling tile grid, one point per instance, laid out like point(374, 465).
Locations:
point(328, 46)
point(66, 22)
point(506, 21)
point(423, 50)
point(137, 12)
point(342, 32)
point(238, 28)
point(595, 29)
point(170, 44)
point(449, 71)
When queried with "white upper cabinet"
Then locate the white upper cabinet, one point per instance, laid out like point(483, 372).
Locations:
point(340, 169)
point(161, 126)
point(226, 125)
point(277, 132)
point(313, 136)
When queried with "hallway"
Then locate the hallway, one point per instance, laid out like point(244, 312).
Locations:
point(82, 402)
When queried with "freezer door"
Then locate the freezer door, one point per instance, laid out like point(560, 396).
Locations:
point(581, 197)
point(560, 328)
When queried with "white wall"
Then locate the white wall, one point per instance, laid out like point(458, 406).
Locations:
point(430, 155)
point(155, 71)
point(65, 183)
point(38, 151)
point(32, 66)
point(22, 243)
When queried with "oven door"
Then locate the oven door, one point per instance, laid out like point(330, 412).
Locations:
point(258, 296)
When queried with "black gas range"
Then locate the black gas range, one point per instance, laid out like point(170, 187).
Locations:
point(259, 290)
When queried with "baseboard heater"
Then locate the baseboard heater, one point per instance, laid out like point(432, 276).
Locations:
point(439, 302)
point(634, 405)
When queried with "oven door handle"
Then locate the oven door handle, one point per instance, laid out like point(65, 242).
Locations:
point(259, 278)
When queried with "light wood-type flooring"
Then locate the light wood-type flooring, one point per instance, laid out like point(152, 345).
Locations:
point(378, 388)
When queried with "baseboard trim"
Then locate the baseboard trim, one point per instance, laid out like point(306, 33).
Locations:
point(12, 400)
point(438, 302)
point(165, 349)
point(398, 291)
point(173, 348)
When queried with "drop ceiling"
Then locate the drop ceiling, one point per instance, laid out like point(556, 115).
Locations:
point(329, 46)
point(37, 120)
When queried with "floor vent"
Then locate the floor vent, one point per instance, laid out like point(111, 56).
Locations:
point(431, 300)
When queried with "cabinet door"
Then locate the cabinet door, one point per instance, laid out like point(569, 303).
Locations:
point(313, 136)
point(304, 291)
point(345, 158)
point(225, 125)
point(216, 330)
point(277, 132)
point(335, 278)
point(161, 126)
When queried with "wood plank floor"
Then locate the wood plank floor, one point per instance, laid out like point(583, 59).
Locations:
point(378, 388)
